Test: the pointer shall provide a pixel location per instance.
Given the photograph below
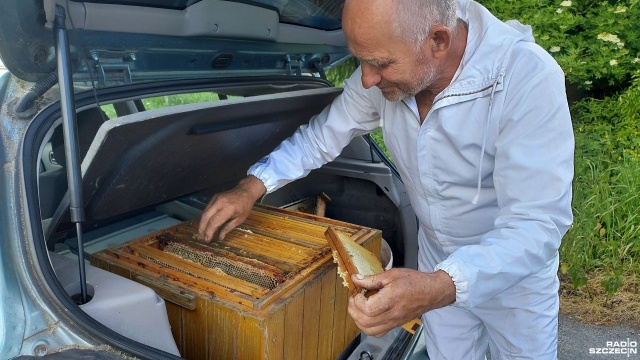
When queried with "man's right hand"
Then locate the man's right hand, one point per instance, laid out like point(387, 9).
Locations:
point(229, 209)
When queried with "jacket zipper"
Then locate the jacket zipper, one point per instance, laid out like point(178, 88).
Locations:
point(444, 97)
point(467, 93)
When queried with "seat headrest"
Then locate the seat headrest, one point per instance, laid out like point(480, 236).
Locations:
point(89, 121)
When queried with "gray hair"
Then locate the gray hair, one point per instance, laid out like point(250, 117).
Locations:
point(414, 18)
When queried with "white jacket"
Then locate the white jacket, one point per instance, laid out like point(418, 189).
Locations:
point(489, 171)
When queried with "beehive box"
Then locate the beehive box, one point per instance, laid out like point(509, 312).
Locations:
point(269, 290)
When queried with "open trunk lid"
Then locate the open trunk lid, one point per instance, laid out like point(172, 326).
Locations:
point(135, 40)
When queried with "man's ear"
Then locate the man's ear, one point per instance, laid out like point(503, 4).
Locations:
point(439, 41)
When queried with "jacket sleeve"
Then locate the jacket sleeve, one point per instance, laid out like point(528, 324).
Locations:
point(532, 177)
point(321, 140)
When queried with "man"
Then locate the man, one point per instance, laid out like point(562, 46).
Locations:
point(476, 118)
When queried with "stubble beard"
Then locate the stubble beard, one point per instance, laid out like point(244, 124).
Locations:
point(401, 91)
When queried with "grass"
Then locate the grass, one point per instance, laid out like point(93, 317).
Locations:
point(604, 237)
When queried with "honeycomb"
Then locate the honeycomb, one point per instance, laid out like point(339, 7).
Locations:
point(230, 267)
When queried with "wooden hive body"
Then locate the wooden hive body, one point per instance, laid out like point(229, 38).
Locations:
point(269, 290)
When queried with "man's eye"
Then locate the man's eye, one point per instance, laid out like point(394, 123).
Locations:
point(379, 65)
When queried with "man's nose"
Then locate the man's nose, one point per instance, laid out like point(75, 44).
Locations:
point(370, 76)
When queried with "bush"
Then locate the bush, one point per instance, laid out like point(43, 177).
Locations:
point(610, 126)
point(597, 43)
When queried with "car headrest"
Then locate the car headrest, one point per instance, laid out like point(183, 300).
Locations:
point(89, 122)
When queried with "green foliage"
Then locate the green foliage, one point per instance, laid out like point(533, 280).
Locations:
point(109, 110)
point(596, 42)
point(169, 100)
point(611, 125)
point(179, 99)
point(612, 282)
point(338, 74)
point(377, 137)
point(606, 203)
point(606, 227)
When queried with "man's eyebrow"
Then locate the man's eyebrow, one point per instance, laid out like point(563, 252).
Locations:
point(377, 62)
point(372, 62)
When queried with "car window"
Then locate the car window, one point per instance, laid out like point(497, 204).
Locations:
point(158, 102)
point(319, 14)
point(109, 110)
point(182, 99)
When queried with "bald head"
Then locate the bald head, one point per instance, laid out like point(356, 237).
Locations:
point(364, 19)
point(405, 20)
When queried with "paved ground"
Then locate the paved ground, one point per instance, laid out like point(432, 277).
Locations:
point(578, 341)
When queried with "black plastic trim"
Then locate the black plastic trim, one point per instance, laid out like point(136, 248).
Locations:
point(376, 149)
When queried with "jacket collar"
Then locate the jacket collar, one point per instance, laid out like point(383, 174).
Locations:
point(483, 67)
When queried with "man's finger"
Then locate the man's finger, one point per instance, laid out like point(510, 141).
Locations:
point(208, 213)
point(378, 331)
point(214, 225)
point(371, 325)
point(206, 228)
point(227, 227)
point(369, 282)
point(372, 306)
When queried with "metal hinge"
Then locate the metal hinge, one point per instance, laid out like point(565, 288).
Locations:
point(109, 67)
point(294, 63)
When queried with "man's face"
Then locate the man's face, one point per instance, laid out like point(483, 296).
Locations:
point(388, 63)
point(398, 78)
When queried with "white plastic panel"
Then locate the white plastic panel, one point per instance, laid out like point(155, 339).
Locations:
point(120, 304)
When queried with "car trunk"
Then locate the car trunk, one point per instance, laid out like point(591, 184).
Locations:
point(149, 170)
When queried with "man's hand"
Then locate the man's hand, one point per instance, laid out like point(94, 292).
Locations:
point(403, 295)
point(229, 209)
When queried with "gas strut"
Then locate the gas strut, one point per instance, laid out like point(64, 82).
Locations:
point(70, 132)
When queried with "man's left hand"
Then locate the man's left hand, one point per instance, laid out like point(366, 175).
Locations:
point(403, 295)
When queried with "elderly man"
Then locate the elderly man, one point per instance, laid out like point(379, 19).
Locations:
point(474, 114)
